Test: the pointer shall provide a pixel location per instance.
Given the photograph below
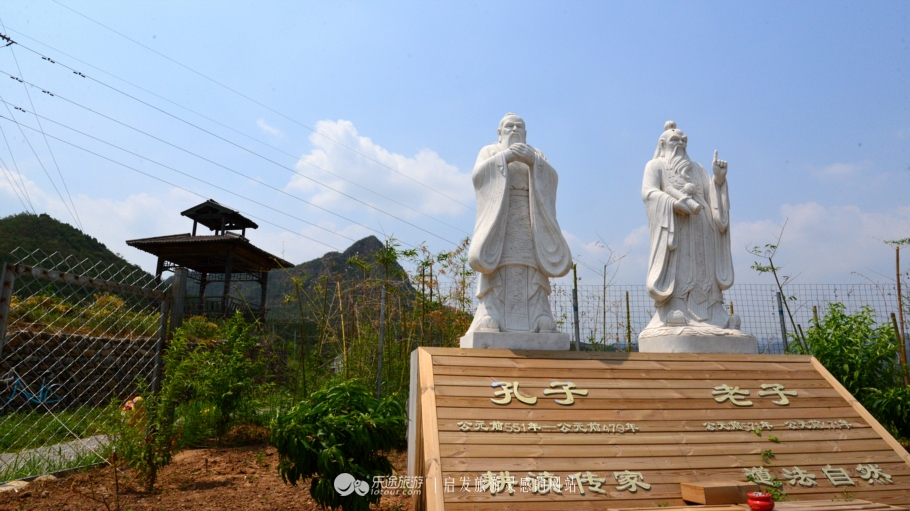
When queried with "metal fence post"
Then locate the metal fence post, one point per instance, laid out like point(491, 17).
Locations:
point(159, 346)
point(783, 324)
point(575, 306)
point(381, 338)
point(7, 279)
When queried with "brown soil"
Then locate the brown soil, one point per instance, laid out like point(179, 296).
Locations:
point(241, 478)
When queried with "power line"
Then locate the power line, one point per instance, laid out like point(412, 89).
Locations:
point(49, 150)
point(186, 189)
point(222, 166)
point(239, 147)
point(7, 173)
point(222, 125)
point(186, 174)
point(18, 172)
point(263, 105)
point(46, 173)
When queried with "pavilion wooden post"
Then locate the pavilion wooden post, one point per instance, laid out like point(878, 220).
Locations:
point(179, 294)
point(227, 283)
point(203, 281)
point(264, 282)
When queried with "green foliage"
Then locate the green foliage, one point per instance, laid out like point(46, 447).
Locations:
point(866, 360)
point(766, 456)
point(342, 428)
point(32, 232)
point(213, 380)
point(100, 314)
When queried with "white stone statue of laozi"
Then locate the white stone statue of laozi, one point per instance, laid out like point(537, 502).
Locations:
point(690, 264)
point(517, 245)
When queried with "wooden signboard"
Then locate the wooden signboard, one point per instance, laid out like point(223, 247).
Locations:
point(532, 430)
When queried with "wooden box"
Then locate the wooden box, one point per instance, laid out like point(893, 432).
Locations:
point(717, 492)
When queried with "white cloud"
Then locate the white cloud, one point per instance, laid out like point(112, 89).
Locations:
point(425, 167)
point(824, 244)
point(839, 170)
point(275, 132)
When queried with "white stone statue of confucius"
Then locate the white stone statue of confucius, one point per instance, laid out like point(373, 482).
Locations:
point(690, 263)
point(517, 245)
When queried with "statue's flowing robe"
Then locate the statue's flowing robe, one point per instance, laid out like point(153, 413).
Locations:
point(690, 264)
point(510, 235)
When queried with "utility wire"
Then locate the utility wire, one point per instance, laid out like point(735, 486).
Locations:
point(186, 189)
point(7, 173)
point(49, 150)
point(46, 173)
point(188, 175)
point(354, 183)
point(289, 169)
point(18, 172)
point(263, 105)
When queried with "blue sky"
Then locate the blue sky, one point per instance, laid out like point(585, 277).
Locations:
point(808, 101)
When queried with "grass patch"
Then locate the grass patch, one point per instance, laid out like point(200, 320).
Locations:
point(34, 428)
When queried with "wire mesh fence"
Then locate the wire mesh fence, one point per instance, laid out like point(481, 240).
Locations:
point(75, 336)
point(612, 316)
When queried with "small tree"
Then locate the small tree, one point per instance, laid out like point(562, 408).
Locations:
point(342, 429)
point(865, 359)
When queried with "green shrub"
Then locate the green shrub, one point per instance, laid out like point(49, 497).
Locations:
point(866, 360)
point(215, 380)
point(343, 428)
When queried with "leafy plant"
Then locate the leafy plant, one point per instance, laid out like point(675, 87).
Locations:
point(766, 456)
point(341, 429)
point(866, 360)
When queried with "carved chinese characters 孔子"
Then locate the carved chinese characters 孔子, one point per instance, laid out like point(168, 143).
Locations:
point(509, 389)
point(568, 388)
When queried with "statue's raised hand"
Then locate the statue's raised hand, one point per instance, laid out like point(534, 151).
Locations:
point(720, 169)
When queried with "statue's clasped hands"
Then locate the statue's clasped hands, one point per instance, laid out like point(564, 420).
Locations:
point(520, 152)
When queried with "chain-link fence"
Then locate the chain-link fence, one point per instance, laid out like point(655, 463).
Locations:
point(75, 337)
point(610, 316)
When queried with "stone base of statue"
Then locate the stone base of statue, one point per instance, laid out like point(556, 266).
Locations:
point(701, 339)
point(516, 341)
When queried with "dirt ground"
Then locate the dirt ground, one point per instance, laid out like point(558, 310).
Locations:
point(241, 478)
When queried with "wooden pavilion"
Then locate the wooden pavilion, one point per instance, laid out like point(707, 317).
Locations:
point(223, 257)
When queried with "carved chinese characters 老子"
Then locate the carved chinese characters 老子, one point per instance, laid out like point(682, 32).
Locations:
point(736, 396)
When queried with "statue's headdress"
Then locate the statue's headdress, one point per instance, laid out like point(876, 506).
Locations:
point(669, 128)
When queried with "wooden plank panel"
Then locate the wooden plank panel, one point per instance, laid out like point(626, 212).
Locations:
point(623, 383)
point(431, 459)
point(621, 365)
point(589, 355)
point(563, 374)
point(569, 414)
point(662, 462)
point(454, 436)
point(632, 393)
point(668, 398)
point(672, 449)
point(594, 403)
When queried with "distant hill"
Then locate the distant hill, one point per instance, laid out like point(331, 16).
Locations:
point(32, 232)
point(333, 265)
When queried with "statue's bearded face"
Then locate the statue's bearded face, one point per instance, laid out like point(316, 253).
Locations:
point(512, 131)
point(675, 152)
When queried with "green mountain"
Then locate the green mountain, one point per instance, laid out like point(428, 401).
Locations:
point(29, 232)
